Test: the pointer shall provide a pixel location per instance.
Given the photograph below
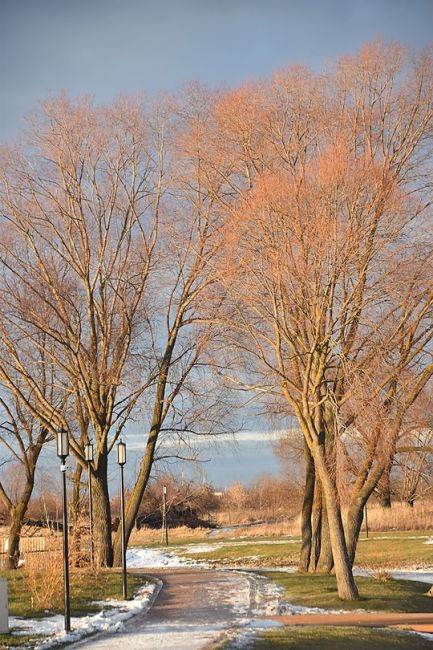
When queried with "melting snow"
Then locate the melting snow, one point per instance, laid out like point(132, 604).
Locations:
point(106, 620)
point(137, 558)
point(253, 598)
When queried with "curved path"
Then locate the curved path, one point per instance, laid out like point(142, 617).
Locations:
point(192, 611)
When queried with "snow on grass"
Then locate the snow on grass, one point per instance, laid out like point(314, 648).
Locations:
point(137, 558)
point(418, 575)
point(110, 619)
point(196, 549)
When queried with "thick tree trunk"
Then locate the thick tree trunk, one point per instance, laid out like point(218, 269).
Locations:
point(17, 515)
point(101, 516)
point(355, 513)
point(75, 514)
point(316, 526)
point(307, 506)
point(346, 586)
point(384, 487)
point(326, 560)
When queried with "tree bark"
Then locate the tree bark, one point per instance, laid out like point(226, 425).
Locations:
point(316, 526)
point(75, 512)
point(326, 560)
point(384, 488)
point(102, 515)
point(355, 513)
point(307, 506)
point(17, 517)
point(346, 586)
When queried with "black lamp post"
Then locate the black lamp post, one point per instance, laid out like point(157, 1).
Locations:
point(121, 459)
point(63, 453)
point(88, 455)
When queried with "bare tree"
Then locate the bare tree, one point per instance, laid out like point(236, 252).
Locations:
point(329, 212)
point(80, 203)
point(185, 397)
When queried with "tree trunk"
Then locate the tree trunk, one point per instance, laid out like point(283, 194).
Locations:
point(307, 506)
point(355, 513)
point(135, 498)
point(346, 586)
point(384, 488)
point(316, 526)
point(17, 515)
point(75, 514)
point(326, 560)
point(102, 515)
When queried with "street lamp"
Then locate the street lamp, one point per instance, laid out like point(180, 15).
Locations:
point(63, 453)
point(121, 459)
point(88, 455)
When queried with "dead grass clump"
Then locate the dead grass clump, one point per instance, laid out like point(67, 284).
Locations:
point(45, 579)
point(381, 575)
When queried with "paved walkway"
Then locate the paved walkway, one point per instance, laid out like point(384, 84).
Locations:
point(191, 612)
point(195, 608)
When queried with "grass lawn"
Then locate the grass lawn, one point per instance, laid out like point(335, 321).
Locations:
point(85, 588)
point(336, 638)
point(321, 591)
point(381, 550)
point(266, 551)
point(395, 549)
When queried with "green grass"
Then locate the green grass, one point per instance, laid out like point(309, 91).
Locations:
point(397, 550)
point(85, 588)
point(321, 591)
point(11, 641)
point(245, 551)
point(336, 638)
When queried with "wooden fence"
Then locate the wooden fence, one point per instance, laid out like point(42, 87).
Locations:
point(27, 544)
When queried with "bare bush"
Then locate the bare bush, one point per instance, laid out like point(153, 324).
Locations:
point(45, 579)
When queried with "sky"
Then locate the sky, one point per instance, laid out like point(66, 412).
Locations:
point(244, 457)
point(109, 47)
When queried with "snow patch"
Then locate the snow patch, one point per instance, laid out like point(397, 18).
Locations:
point(195, 549)
point(141, 558)
point(107, 620)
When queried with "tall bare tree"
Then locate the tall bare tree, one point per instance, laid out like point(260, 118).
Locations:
point(330, 175)
point(185, 397)
point(80, 203)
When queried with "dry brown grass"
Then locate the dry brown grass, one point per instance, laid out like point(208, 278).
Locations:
point(182, 533)
point(401, 517)
point(45, 579)
point(153, 536)
point(250, 515)
point(275, 529)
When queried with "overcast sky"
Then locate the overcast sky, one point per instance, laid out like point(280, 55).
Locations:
point(106, 47)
